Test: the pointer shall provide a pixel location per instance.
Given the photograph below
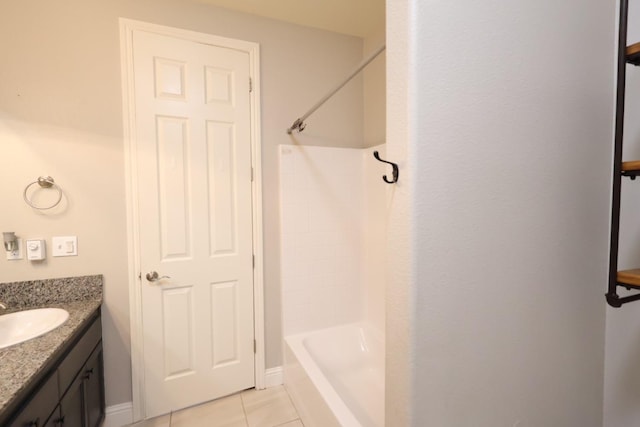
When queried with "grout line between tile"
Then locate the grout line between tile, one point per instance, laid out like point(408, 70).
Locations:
point(287, 422)
point(290, 400)
point(294, 406)
point(244, 410)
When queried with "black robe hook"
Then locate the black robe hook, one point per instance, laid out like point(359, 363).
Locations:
point(393, 165)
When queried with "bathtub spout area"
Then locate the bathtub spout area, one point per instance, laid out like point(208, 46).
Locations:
point(337, 388)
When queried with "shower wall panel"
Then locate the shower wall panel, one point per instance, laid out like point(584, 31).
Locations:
point(333, 237)
point(377, 198)
point(321, 214)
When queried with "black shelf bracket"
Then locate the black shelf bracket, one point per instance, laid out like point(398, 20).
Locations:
point(612, 297)
point(615, 300)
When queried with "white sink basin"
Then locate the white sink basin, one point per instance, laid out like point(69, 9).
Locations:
point(24, 325)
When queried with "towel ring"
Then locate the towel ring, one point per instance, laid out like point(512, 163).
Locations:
point(43, 182)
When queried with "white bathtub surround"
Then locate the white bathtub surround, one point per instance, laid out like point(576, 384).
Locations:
point(331, 236)
point(321, 206)
point(337, 388)
point(333, 222)
point(378, 196)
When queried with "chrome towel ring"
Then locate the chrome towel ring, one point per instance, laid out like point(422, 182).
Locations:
point(43, 182)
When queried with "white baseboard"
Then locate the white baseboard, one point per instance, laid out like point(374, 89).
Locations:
point(273, 377)
point(118, 415)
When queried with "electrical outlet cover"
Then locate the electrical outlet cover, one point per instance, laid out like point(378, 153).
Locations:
point(17, 254)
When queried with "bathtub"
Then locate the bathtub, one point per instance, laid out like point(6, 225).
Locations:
point(335, 376)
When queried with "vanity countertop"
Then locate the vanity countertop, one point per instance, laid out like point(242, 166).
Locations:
point(22, 365)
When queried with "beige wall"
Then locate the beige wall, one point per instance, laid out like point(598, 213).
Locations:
point(61, 115)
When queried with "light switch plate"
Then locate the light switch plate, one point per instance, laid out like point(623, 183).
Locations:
point(64, 246)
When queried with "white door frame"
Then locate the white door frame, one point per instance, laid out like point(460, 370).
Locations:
point(127, 27)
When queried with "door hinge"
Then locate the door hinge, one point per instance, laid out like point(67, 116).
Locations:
point(255, 346)
point(139, 276)
point(253, 261)
point(250, 84)
point(252, 174)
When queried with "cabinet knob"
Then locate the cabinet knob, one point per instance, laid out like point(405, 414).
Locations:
point(35, 423)
point(88, 373)
point(59, 422)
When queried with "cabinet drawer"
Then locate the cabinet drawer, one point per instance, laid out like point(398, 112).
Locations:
point(79, 354)
point(40, 406)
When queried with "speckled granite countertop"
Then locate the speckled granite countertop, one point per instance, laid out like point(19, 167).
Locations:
point(22, 364)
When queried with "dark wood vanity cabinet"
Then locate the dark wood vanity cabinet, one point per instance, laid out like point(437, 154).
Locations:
point(72, 394)
point(83, 403)
point(39, 408)
point(71, 405)
point(93, 389)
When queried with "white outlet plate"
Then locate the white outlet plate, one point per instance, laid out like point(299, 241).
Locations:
point(64, 246)
point(18, 253)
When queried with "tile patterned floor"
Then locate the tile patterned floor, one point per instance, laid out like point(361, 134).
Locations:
point(251, 408)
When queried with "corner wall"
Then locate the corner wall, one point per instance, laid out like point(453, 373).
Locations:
point(375, 102)
point(377, 193)
point(61, 115)
point(500, 229)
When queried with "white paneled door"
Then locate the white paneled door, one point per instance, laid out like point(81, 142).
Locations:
point(193, 161)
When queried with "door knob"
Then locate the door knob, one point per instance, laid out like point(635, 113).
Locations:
point(152, 276)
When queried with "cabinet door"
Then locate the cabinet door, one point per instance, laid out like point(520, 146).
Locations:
point(72, 403)
point(94, 388)
point(78, 355)
point(55, 419)
point(40, 406)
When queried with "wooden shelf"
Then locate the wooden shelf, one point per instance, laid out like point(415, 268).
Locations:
point(632, 166)
point(633, 54)
point(629, 277)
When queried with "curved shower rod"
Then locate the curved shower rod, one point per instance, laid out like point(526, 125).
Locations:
point(299, 123)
